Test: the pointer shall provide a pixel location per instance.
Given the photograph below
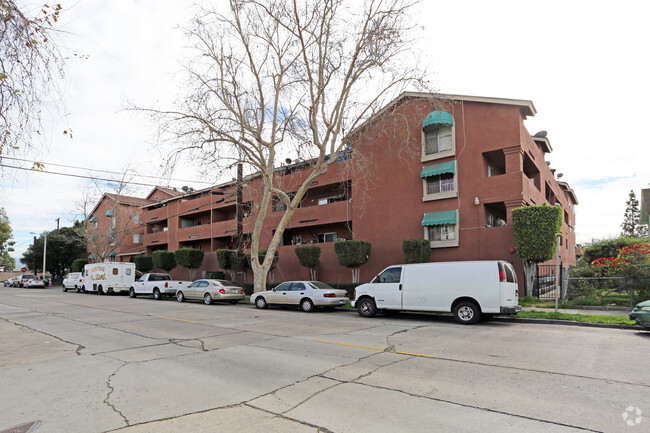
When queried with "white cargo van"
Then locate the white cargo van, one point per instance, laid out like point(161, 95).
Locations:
point(467, 289)
point(110, 277)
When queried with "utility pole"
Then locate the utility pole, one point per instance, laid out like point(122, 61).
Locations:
point(57, 223)
point(240, 226)
point(35, 271)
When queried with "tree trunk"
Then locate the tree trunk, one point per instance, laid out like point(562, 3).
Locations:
point(529, 274)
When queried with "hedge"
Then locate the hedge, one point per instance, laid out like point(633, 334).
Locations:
point(164, 259)
point(416, 250)
point(143, 264)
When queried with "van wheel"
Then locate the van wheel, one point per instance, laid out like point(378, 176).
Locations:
point(467, 313)
point(77, 289)
point(366, 307)
point(156, 294)
point(132, 293)
point(100, 290)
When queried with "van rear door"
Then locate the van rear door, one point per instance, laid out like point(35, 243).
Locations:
point(388, 288)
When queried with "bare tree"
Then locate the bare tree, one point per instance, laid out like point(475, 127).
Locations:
point(288, 78)
point(30, 69)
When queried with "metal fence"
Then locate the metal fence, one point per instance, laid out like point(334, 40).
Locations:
point(545, 282)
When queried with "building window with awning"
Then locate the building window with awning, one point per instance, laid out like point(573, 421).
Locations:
point(439, 181)
point(438, 138)
point(441, 228)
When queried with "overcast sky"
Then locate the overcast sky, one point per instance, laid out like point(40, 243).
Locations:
point(584, 64)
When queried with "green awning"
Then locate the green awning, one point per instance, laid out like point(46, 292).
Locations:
point(436, 169)
point(439, 218)
point(112, 254)
point(109, 213)
point(441, 118)
point(93, 220)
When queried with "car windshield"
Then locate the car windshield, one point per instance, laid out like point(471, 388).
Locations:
point(27, 277)
point(321, 286)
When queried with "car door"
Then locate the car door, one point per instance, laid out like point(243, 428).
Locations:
point(192, 290)
point(296, 293)
point(278, 295)
point(388, 291)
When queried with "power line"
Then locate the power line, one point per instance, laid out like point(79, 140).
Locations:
point(100, 171)
point(78, 176)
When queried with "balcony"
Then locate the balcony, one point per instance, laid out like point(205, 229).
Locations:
point(224, 228)
point(193, 233)
point(196, 205)
point(161, 237)
point(155, 215)
point(315, 215)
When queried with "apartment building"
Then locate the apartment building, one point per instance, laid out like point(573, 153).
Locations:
point(449, 169)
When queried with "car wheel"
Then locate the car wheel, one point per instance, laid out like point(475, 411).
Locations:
point(77, 289)
point(132, 293)
point(156, 295)
point(207, 299)
point(366, 307)
point(467, 313)
point(180, 297)
point(234, 302)
point(307, 305)
point(100, 290)
point(83, 289)
point(65, 289)
point(260, 302)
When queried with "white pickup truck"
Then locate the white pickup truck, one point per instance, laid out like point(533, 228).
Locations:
point(156, 285)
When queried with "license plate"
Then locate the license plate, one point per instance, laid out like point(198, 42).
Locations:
point(233, 290)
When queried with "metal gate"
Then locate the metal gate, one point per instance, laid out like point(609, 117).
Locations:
point(545, 282)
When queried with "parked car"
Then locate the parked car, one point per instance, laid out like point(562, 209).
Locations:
point(9, 282)
point(641, 314)
point(34, 282)
point(156, 285)
point(307, 295)
point(211, 291)
point(24, 277)
point(73, 281)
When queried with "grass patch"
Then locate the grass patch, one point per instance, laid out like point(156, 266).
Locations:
point(608, 320)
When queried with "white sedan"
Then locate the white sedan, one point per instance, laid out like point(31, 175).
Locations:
point(307, 295)
point(34, 282)
point(211, 291)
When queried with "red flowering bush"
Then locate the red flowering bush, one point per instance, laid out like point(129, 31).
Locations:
point(609, 266)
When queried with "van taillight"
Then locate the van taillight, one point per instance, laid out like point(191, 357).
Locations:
point(502, 276)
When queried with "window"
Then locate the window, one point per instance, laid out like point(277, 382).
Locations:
point(116, 271)
point(437, 140)
point(128, 271)
point(446, 232)
point(283, 287)
point(138, 238)
point(326, 237)
point(297, 287)
point(441, 229)
point(390, 275)
point(328, 200)
point(440, 183)
point(136, 218)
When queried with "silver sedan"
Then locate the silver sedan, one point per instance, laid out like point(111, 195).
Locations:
point(211, 291)
point(307, 295)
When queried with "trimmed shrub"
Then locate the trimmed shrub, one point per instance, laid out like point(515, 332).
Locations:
point(416, 250)
point(309, 257)
point(226, 259)
point(143, 264)
point(164, 259)
point(189, 258)
point(78, 265)
point(352, 254)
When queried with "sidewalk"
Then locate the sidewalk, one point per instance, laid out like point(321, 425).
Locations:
point(590, 311)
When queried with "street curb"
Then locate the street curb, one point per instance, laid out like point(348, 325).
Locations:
point(565, 323)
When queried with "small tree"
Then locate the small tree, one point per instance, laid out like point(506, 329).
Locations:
point(163, 259)
point(352, 254)
point(227, 260)
point(536, 229)
point(309, 257)
point(632, 219)
point(606, 248)
point(143, 264)
point(416, 250)
point(189, 258)
point(78, 265)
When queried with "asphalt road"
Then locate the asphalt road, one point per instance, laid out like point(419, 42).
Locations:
point(87, 363)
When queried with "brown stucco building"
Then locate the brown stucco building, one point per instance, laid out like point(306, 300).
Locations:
point(449, 169)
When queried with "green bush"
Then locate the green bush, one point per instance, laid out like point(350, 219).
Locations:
point(78, 265)
point(352, 254)
point(606, 248)
point(536, 229)
point(226, 259)
point(143, 264)
point(189, 258)
point(308, 256)
point(416, 250)
point(164, 259)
